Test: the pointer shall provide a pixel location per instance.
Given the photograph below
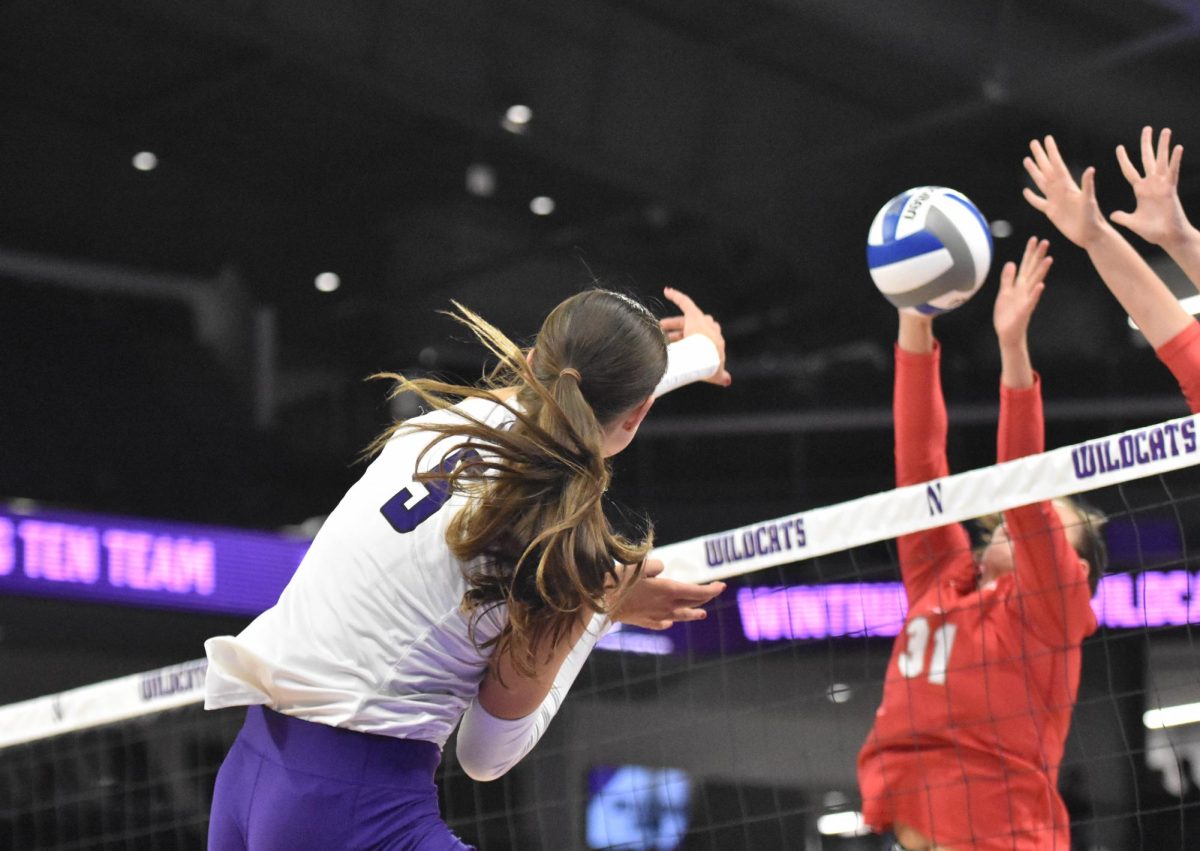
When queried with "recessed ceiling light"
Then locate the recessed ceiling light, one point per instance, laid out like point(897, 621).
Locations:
point(481, 180)
point(516, 118)
point(327, 282)
point(542, 205)
point(145, 161)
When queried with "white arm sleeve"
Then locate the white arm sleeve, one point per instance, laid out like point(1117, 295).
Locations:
point(489, 746)
point(693, 358)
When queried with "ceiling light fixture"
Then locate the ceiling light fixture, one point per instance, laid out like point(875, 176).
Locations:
point(1001, 228)
point(481, 180)
point(517, 118)
point(542, 205)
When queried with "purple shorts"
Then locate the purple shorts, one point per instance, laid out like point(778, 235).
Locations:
point(288, 783)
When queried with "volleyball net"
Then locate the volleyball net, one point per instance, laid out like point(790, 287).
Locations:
point(739, 731)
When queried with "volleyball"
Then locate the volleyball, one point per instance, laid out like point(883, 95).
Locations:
point(929, 249)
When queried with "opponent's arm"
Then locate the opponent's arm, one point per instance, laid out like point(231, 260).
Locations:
point(921, 426)
point(512, 710)
point(1053, 591)
point(1072, 208)
point(1158, 216)
point(1074, 211)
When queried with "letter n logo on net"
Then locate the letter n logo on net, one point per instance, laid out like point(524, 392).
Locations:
point(933, 498)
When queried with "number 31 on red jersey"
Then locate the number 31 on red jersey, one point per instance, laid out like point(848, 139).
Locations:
point(912, 659)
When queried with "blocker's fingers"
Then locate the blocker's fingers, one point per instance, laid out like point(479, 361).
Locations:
point(1147, 148)
point(1008, 275)
point(1164, 148)
point(1036, 201)
point(1030, 250)
point(1088, 184)
point(671, 323)
point(689, 614)
point(1042, 270)
point(1127, 167)
point(1034, 172)
point(1053, 154)
point(1038, 253)
point(1040, 157)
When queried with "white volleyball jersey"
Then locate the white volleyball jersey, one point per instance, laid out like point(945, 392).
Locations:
point(369, 633)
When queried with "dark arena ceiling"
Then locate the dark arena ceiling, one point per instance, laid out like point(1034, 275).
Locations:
point(164, 348)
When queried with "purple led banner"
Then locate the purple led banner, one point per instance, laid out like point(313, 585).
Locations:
point(1125, 601)
point(103, 559)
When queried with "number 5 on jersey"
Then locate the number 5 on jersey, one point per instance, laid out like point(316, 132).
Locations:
point(912, 660)
point(404, 517)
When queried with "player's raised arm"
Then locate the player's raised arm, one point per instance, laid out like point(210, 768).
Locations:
point(697, 348)
point(1072, 208)
point(921, 426)
point(1033, 542)
point(1159, 217)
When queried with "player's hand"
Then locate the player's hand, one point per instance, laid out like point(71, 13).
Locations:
point(695, 321)
point(1070, 207)
point(1159, 217)
point(1020, 289)
point(654, 602)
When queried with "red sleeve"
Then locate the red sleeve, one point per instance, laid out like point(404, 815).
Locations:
point(1181, 354)
point(1053, 592)
point(919, 412)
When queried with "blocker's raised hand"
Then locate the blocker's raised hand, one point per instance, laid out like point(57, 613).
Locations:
point(1020, 289)
point(1159, 217)
point(1070, 207)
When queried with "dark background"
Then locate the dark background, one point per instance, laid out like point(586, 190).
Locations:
point(164, 349)
point(164, 352)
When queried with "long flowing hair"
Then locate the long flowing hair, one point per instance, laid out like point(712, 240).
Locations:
point(533, 534)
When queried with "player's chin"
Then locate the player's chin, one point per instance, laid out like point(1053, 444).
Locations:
point(991, 571)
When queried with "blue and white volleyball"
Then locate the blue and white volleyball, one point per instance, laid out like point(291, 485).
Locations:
point(929, 249)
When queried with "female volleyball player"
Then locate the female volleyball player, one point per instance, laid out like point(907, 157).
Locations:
point(1159, 218)
point(978, 694)
point(467, 575)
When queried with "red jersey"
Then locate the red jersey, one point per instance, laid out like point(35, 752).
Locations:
point(979, 690)
point(1181, 354)
point(980, 687)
